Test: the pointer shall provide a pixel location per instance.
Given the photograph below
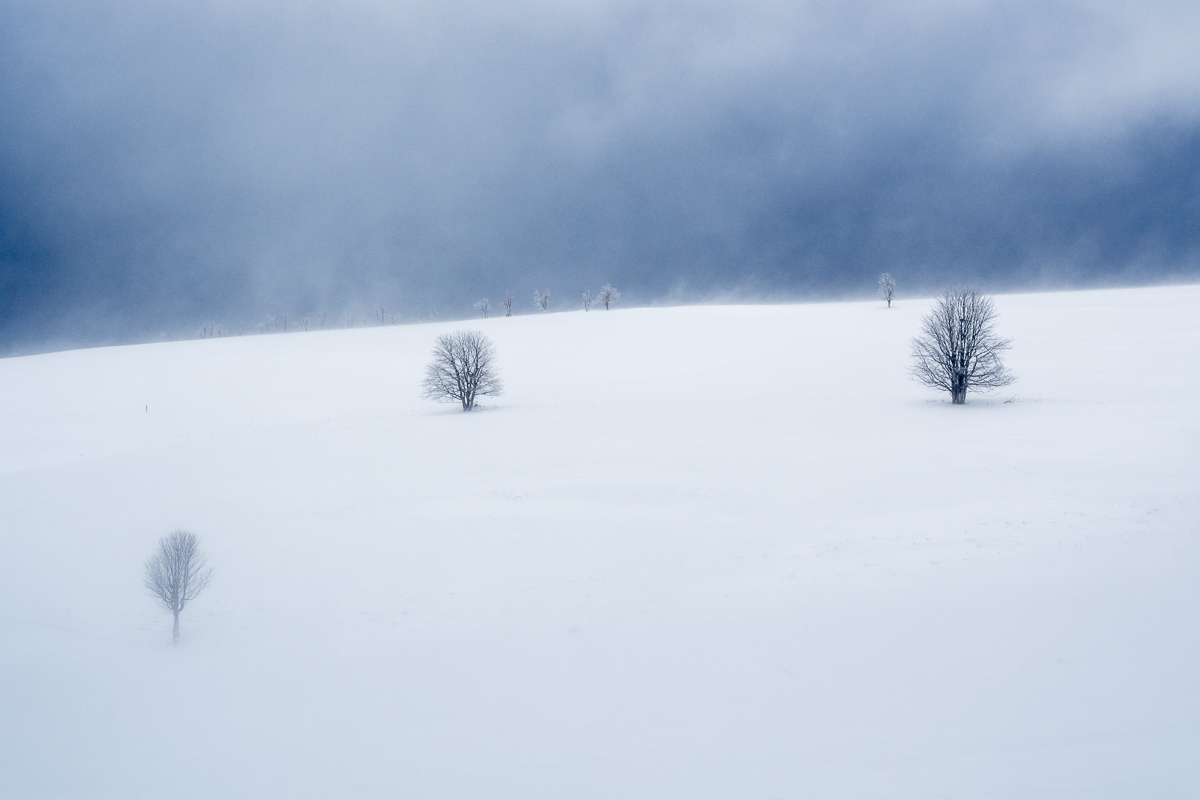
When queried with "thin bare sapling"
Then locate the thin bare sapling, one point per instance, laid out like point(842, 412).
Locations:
point(176, 573)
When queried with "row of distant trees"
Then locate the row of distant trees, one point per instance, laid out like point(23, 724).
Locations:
point(607, 296)
point(288, 323)
point(380, 315)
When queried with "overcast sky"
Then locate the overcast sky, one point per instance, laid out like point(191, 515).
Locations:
point(165, 163)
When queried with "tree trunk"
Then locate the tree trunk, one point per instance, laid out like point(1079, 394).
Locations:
point(175, 630)
point(959, 391)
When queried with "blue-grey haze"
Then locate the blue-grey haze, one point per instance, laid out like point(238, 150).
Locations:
point(163, 164)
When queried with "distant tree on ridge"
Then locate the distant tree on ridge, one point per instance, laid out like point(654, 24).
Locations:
point(887, 288)
point(608, 295)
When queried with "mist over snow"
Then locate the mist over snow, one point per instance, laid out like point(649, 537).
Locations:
point(167, 164)
point(694, 552)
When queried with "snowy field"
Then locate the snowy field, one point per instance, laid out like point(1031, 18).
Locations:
point(700, 552)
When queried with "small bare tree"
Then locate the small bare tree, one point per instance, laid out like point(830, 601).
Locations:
point(322, 318)
point(211, 330)
point(958, 348)
point(508, 303)
point(484, 306)
point(608, 295)
point(176, 573)
point(542, 301)
point(887, 288)
point(463, 368)
point(587, 299)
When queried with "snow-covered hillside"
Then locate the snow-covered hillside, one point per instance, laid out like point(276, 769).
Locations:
point(701, 552)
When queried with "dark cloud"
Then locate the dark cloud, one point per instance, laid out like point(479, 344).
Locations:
point(162, 164)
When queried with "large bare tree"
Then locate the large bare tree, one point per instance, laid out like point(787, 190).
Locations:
point(463, 368)
point(176, 573)
point(958, 349)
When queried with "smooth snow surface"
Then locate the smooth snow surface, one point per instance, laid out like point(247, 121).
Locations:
point(702, 552)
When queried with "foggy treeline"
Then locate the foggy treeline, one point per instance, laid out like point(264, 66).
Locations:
point(380, 314)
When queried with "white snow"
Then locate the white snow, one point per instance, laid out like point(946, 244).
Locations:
point(700, 552)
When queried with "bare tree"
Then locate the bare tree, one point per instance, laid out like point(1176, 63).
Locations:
point(587, 299)
point(541, 300)
point(211, 330)
point(887, 287)
point(176, 573)
point(958, 349)
point(484, 306)
point(608, 295)
point(463, 368)
point(508, 303)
